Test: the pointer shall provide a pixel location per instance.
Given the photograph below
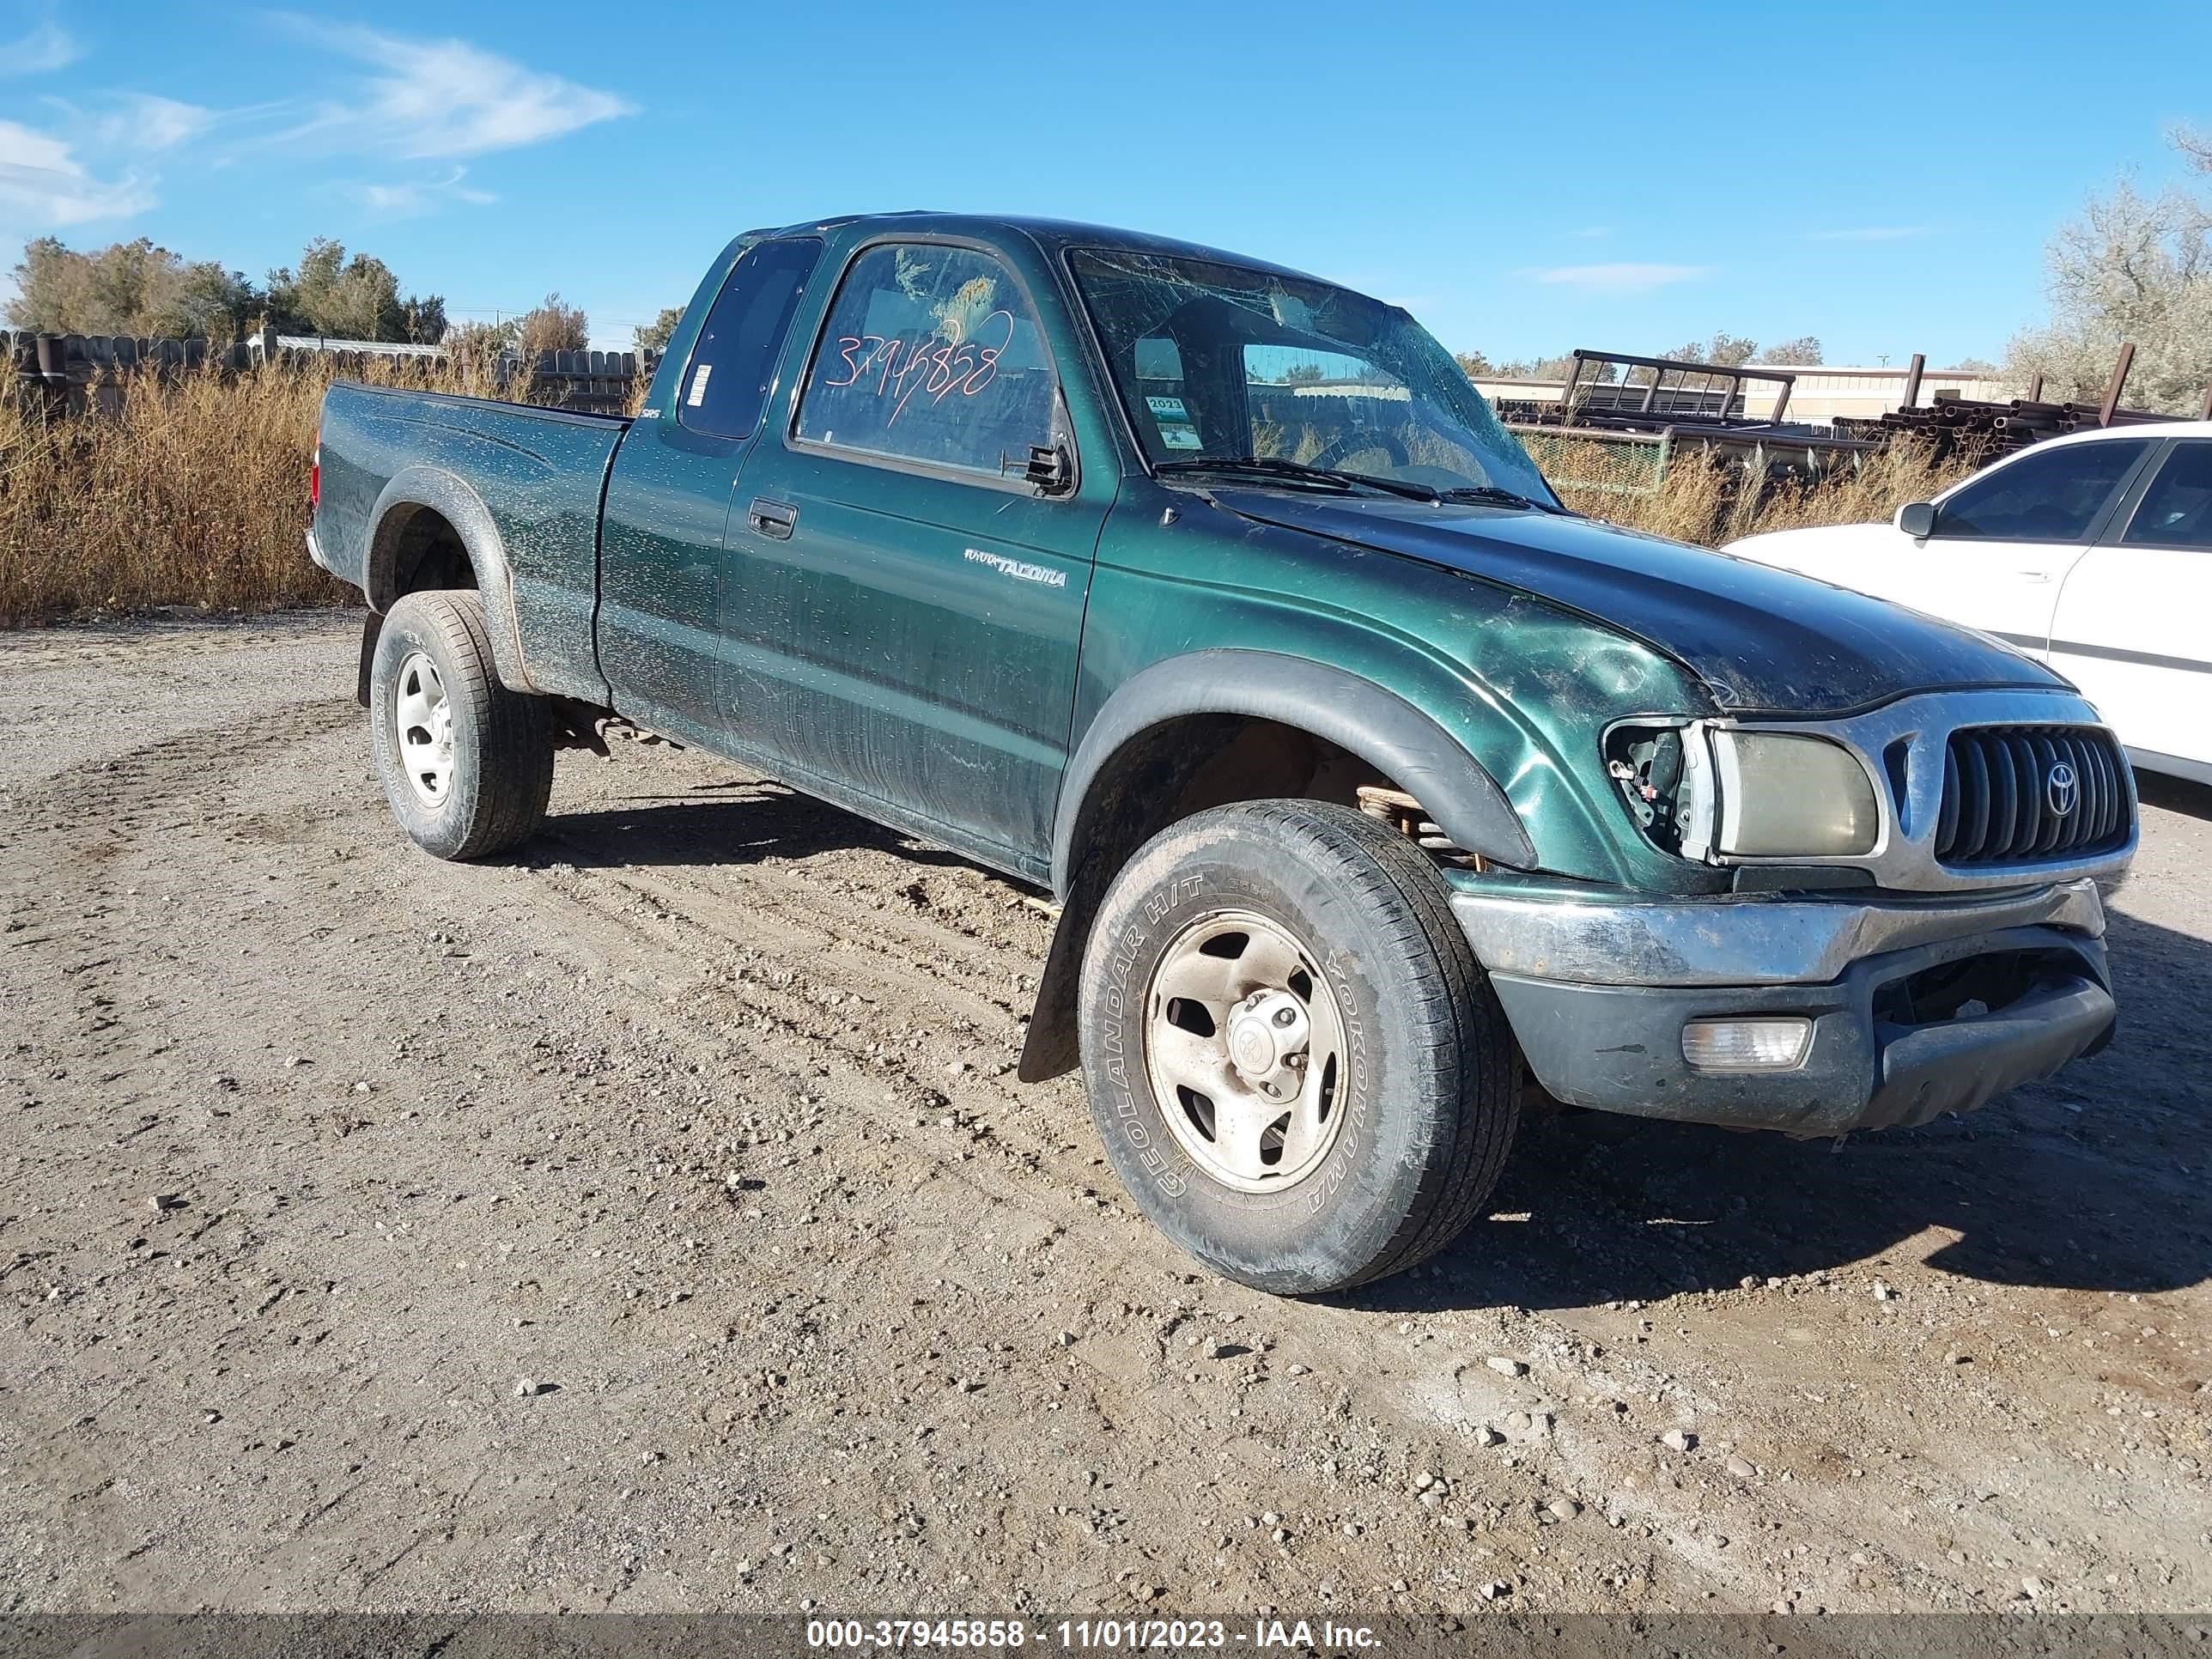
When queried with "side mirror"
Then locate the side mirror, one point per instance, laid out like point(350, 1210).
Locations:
point(1048, 466)
point(1916, 520)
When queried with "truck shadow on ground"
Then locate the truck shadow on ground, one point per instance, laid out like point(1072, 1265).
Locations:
point(745, 823)
point(2096, 1180)
point(2174, 794)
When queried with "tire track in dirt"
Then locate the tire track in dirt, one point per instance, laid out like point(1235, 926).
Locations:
point(640, 1120)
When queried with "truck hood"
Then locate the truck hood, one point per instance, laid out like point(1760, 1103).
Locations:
point(1762, 641)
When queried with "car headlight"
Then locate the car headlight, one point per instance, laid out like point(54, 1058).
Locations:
point(1784, 796)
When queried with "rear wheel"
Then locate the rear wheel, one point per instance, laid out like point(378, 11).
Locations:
point(466, 764)
point(1300, 1071)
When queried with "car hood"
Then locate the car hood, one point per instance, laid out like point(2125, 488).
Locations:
point(1764, 641)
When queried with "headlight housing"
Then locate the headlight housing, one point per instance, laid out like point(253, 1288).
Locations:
point(1717, 793)
point(1784, 796)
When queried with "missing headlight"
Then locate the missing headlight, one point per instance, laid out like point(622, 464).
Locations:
point(1645, 763)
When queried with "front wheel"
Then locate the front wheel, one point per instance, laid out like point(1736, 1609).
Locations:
point(466, 764)
point(1301, 1074)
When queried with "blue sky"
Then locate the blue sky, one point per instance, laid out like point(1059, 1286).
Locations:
point(1524, 178)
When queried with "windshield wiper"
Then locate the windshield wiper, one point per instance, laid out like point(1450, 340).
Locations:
point(1491, 494)
point(1274, 467)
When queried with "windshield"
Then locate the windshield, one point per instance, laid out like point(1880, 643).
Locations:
point(1223, 363)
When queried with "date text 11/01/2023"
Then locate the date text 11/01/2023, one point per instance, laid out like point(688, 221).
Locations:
point(1087, 1634)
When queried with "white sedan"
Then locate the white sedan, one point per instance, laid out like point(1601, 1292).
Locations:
point(2092, 552)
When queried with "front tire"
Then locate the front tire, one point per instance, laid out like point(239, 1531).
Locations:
point(1301, 1073)
point(466, 764)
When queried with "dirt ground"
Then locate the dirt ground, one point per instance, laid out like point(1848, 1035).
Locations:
point(652, 1221)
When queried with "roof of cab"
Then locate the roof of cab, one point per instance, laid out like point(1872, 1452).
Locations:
point(1055, 236)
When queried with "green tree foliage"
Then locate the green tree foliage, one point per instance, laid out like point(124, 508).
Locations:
point(1723, 350)
point(552, 327)
point(656, 335)
point(338, 298)
point(483, 340)
point(423, 317)
point(127, 287)
point(2133, 268)
point(1804, 352)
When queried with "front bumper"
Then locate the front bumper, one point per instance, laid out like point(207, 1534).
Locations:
point(1598, 995)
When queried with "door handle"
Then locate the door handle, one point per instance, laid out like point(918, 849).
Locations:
point(773, 520)
point(2035, 576)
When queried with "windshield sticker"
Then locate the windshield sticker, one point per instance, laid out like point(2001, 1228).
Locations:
point(699, 385)
point(1180, 435)
point(1167, 409)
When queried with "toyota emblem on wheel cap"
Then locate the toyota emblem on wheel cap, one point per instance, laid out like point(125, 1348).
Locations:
point(2062, 789)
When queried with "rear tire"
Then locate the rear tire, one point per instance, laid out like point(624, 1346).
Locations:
point(466, 764)
point(1313, 929)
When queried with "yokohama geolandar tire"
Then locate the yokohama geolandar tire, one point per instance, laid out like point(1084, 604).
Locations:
point(466, 764)
point(1299, 1069)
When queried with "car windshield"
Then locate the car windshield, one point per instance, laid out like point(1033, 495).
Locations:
point(1223, 363)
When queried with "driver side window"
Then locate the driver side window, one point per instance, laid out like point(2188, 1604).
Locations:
point(2054, 495)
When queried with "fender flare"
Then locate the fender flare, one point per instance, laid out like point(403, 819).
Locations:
point(429, 488)
point(1381, 728)
point(1399, 739)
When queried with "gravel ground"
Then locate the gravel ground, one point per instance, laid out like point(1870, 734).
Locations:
point(652, 1221)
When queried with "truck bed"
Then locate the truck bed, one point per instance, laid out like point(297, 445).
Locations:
point(539, 474)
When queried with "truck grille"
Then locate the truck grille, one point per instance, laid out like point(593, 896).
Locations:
point(2003, 787)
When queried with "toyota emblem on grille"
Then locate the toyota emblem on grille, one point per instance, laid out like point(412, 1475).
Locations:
point(2062, 788)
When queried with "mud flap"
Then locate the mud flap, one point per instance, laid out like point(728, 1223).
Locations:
point(372, 629)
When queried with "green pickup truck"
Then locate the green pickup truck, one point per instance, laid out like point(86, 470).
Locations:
point(1373, 785)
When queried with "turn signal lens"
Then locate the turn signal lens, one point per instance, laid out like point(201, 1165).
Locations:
point(1773, 1043)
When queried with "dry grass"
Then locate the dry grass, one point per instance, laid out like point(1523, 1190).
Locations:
point(194, 495)
point(1703, 501)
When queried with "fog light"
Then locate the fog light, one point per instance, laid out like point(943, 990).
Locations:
point(1771, 1044)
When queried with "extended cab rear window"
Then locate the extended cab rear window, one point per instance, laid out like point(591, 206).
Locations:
point(732, 367)
point(930, 354)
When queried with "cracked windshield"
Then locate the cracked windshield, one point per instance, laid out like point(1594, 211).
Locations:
point(1218, 363)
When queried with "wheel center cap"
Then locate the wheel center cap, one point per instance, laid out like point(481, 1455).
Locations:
point(1268, 1033)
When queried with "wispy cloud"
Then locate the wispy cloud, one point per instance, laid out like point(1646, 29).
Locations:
point(1627, 277)
point(43, 186)
point(407, 199)
point(142, 121)
point(1867, 234)
point(49, 46)
point(434, 100)
point(1591, 233)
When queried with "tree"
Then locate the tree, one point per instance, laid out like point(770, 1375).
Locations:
point(483, 341)
point(127, 287)
point(1724, 350)
point(422, 318)
point(1802, 352)
point(211, 302)
point(340, 299)
point(2132, 269)
point(656, 335)
point(355, 299)
point(552, 327)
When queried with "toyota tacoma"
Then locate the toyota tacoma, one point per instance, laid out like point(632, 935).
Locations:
point(1373, 785)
